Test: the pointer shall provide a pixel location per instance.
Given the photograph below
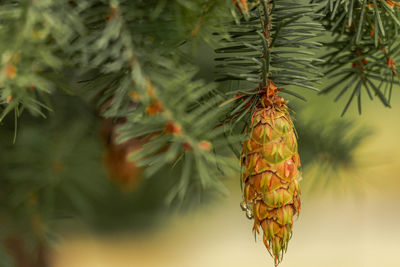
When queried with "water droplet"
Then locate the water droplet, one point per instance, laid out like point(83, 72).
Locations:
point(249, 214)
point(243, 205)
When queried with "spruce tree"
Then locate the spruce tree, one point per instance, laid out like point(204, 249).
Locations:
point(131, 80)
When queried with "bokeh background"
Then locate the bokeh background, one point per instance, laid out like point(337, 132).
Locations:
point(350, 221)
point(70, 209)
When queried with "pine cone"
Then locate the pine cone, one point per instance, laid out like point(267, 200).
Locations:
point(271, 172)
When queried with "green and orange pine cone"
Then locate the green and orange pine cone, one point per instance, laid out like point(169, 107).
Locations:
point(270, 163)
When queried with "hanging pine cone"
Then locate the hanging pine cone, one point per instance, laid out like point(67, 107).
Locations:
point(271, 173)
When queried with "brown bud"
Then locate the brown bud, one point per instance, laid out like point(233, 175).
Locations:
point(187, 146)
point(11, 71)
point(154, 108)
point(173, 128)
point(205, 145)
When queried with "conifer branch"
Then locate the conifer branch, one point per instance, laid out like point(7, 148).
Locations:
point(35, 31)
point(363, 48)
point(273, 43)
point(160, 100)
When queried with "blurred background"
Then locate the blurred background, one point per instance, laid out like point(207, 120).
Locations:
point(349, 213)
point(70, 199)
point(350, 221)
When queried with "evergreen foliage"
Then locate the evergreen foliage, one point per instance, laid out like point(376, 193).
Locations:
point(273, 41)
point(363, 48)
point(35, 46)
point(74, 62)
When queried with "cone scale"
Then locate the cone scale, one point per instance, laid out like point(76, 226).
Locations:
point(270, 172)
